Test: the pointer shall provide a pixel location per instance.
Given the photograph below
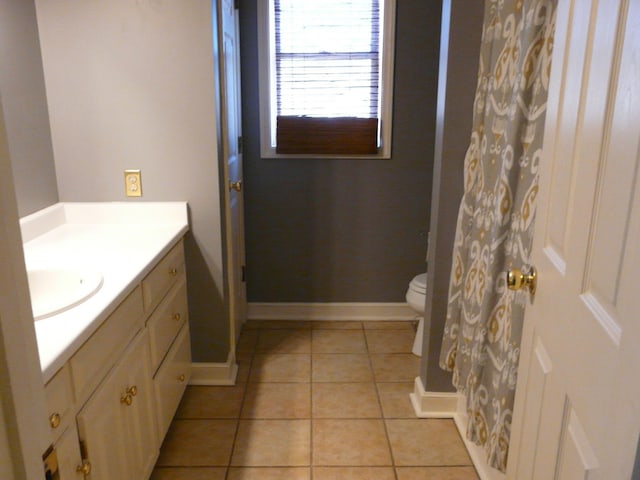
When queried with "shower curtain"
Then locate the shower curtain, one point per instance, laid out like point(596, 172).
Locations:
point(495, 221)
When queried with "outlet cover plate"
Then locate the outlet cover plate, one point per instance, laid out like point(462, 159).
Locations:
point(133, 183)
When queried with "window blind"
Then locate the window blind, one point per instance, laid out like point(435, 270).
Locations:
point(327, 56)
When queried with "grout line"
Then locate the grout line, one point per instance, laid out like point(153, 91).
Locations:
point(384, 422)
point(242, 402)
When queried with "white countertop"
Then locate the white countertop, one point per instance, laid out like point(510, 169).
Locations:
point(121, 240)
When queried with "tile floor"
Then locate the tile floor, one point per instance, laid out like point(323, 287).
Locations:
point(314, 400)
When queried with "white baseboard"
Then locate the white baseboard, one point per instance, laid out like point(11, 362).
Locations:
point(478, 454)
point(432, 404)
point(330, 311)
point(213, 374)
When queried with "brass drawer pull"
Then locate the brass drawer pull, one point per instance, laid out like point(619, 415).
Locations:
point(54, 420)
point(173, 272)
point(133, 391)
point(126, 399)
point(181, 378)
point(177, 317)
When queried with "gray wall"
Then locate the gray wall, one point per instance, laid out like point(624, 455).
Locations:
point(344, 230)
point(24, 106)
point(131, 85)
point(461, 31)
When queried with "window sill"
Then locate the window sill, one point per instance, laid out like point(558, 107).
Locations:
point(271, 154)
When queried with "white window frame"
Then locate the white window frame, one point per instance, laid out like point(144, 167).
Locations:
point(267, 85)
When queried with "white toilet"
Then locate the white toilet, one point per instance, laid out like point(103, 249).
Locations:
point(416, 294)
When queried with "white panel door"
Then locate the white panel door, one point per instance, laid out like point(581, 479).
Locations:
point(232, 133)
point(577, 413)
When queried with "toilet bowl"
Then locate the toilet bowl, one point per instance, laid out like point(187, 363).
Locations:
point(415, 296)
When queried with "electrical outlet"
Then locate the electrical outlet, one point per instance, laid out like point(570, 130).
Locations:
point(133, 183)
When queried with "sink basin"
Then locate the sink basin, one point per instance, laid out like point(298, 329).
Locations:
point(55, 290)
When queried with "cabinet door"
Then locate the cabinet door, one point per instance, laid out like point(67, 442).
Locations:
point(117, 423)
point(103, 430)
point(69, 458)
point(140, 416)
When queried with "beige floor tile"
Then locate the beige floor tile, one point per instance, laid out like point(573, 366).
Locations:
point(390, 325)
point(394, 398)
point(189, 473)
point(342, 443)
point(335, 325)
point(247, 341)
point(269, 473)
point(345, 400)
point(390, 341)
point(272, 443)
point(338, 341)
point(277, 400)
point(341, 368)
point(192, 443)
point(426, 442)
point(437, 473)
point(353, 473)
point(395, 367)
point(281, 368)
point(284, 340)
point(211, 402)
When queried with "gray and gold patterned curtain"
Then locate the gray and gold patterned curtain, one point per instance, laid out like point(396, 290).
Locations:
point(494, 233)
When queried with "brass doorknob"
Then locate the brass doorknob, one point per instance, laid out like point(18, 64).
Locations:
point(517, 280)
point(237, 186)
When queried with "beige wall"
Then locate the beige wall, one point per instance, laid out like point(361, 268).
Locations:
point(25, 107)
point(130, 84)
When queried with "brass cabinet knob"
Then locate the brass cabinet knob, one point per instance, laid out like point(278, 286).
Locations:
point(126, 399)
point(54, 420)
point(177, 317)
point(85, 468)
point(133, 391)
point(173, 272)
point(182, 377)
point(237, 186)
point(517, 280)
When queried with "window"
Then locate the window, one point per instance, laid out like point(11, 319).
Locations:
point(326, 72)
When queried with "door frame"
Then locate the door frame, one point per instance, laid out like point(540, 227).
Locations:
point(21, 385)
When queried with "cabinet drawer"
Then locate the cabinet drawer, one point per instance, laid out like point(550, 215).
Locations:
point(162, 277)
point(172, 379)
point(166, 321)
point(59, 396)
point(94, 359)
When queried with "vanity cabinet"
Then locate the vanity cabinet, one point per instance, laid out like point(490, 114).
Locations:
point(111, 404)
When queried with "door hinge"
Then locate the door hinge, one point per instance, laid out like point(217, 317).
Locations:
point(244, 273)
point(240, 145)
